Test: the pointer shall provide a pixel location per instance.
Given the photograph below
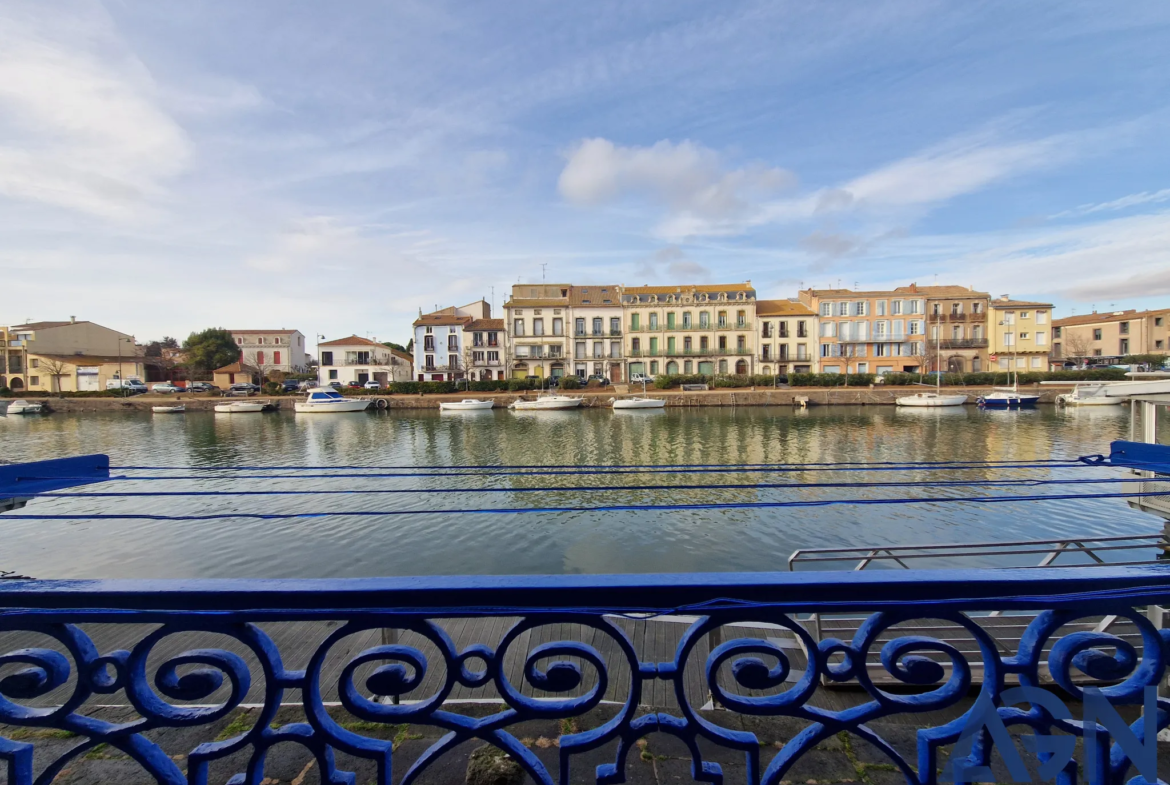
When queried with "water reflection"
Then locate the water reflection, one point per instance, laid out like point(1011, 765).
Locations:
point(573, 541)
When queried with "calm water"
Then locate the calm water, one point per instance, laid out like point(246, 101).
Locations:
point(568, 542)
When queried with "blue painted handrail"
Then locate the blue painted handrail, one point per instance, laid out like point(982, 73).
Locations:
point(751, 676)
point(21, 480)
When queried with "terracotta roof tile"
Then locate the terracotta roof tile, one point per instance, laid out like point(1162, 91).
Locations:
point(782, 308)
point(536, 303)
point(685, 288)
point(485, 324)
point(441, 319)
point(595, 295)
point(1110, 316)
point(353, 340)
point(263, 332)
point(1018, 304)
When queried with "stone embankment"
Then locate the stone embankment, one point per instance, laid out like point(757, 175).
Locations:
point(760, 396)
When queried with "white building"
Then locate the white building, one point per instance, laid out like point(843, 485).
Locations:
point(439, 341)
point(272, 350)
point(360, 360)
point(483, 342)
point(596, 314)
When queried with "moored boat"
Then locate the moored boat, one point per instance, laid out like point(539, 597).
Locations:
point(326, 400)
point(547, 402)
point(1008, 399)
point(1088, 395)
point(932, 399)
point(242, 407)
point(466, 405)
point(21, 406)
point(179, 409)
point(638, 402)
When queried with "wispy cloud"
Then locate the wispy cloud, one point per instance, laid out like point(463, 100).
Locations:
point(1124, 203)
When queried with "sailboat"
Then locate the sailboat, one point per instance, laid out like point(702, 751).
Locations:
point(1009, 397)
point(642, 401)
point(936, 398)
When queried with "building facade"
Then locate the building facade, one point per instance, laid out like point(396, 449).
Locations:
point(483, 347)
point(269, 351)
point(596, 317)
point(1111, 336)
point(536, 320)
point(1020, 333)
point(786, 337)
point(357, 360)
point(706, 329)
point(869, 332)
point(957, 331)
point(439, 341)
point(32, 348)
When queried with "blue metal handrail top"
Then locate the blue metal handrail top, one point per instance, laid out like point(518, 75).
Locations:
point(1024, 588)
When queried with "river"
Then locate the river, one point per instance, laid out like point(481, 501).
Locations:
point(427, 541)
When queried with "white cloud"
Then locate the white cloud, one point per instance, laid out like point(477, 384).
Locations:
point(701, 196)
point(1125, 202)
point(80, 127)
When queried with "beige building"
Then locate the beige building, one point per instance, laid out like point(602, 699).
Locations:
point(596, 317)
point(1111, 335)
point(34, 349)
point(957, 331)
point(1020, 334)
point(272, 350)
point(869, 332)
point(786, 337)
point(691, 329)
point(483, 349)
point(536, 318)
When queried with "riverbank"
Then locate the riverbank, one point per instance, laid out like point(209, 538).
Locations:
point(877, 395)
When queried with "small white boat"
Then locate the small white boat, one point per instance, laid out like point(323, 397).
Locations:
point(179, 409)
point(931, 399)
point(638, 402)
point(325, 400)
point(21, 406)
point(241, 407)
point(547, 402)
point(466, 405)
point(1089, 395)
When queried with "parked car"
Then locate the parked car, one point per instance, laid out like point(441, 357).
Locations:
point(244, 388)
point(336, 385)
point(290, 385)
point(165, 387)
point(130, 386)
point(355, 383)
point(201, 387)
point(554, 381)
point(597, 378)
point(372, 385)
point(638, 378)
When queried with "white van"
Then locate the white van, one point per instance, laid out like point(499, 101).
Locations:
point(133, 386)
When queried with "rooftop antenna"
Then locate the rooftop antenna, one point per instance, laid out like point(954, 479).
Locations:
point(838, 283)
point(855, 285)
point(493, 298)
point(543, 270)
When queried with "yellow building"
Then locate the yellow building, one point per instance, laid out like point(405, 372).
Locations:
point(1021, 333)
point(67, 356)
point(786, 336)
point(690, 329)
point(54, 373)
point(1111, 335)
point(534, 318)
point(13, 359)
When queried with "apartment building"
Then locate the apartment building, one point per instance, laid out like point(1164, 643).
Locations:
point(483, 346)
point(358, 360)
point(66, 356)
point(957, 331)
point(439, 341)
point(536, 319)
point(1111, 336)
point(869, 332)
point(269, 351)
point(1020, 333)
point(596, 316)
point(786, 337)
point(705, 329)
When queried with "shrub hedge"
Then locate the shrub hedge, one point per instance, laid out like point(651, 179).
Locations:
point(1003, 378)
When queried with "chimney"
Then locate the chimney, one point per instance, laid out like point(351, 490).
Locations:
point(73, 320)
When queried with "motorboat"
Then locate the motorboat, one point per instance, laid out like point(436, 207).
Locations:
point(179, 409)
point(1089, 395)
point(242, 407)
point(466, 405)
point(936, 398)
point(932, 399)
point(547, 402)
point(326, 400)
point(639, 402)
point(21, 406)
point(1008, 399)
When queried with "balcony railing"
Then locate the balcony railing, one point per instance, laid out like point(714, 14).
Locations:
point(547, 652)
point(963, 343)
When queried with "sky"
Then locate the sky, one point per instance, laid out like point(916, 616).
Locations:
point(335, 167)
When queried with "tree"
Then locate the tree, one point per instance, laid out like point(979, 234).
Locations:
point(1076, 345)
point(213, 348)
point(1152, 360)
point(153, 349)
point(169, 343)
point(397, 346)
point(55, 369)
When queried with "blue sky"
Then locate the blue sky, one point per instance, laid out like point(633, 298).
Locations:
point(169, 166)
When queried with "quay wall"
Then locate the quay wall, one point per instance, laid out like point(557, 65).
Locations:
point(816, 396)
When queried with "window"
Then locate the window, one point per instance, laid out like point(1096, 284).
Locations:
point(538, 326)
point(826, 309)
point(653, 367)
point(688, 368)
point(430, 359)
point(615, 348)
point(1021, 362)
point(740, 342)
point(1124, 346)
point(956, 309)
point(723, 366)
point(653, 321)
point(828, 329)
point(34, 380)
point(704, 320)
point(723, 318)
point(1042, 317)
point(862, 308)
point(578, 327)
point(452, 361)
point(896, 307)
point(1157, 321)
point(635, 344)
point(333, 373)
point(976, 307)
point(327, 358)
point(615, 326)
point(741, 319)
point(276, 358)
point(1025, 314)
point(1096, 333)
point(598, 349)
point(863, 367)
point(915, 327)
point(801, 329)
point(1041, 338)
point(259, 358)
point(558, 326)
point(452, 342)
point(1009, 339)
point(1123, 328)
point(687, 343)
point(881, 307)
point(783, 331)
point(493, 357)
point(1009, 317)
point(635, 321)
point(1158, 344)
point(670, 321)
point(936, 309)
point(704, 345)
point(1055, 332)
point(431, 329)
point(687, 321)
point(429, 342)
point(1023, 336)
point(1037, 362)
point(579, 350)
point(34, 363)
point(722, 343)
point(1096, 352)
point(653, 346)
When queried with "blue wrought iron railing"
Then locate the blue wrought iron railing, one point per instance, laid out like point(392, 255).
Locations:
point(688, 656)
